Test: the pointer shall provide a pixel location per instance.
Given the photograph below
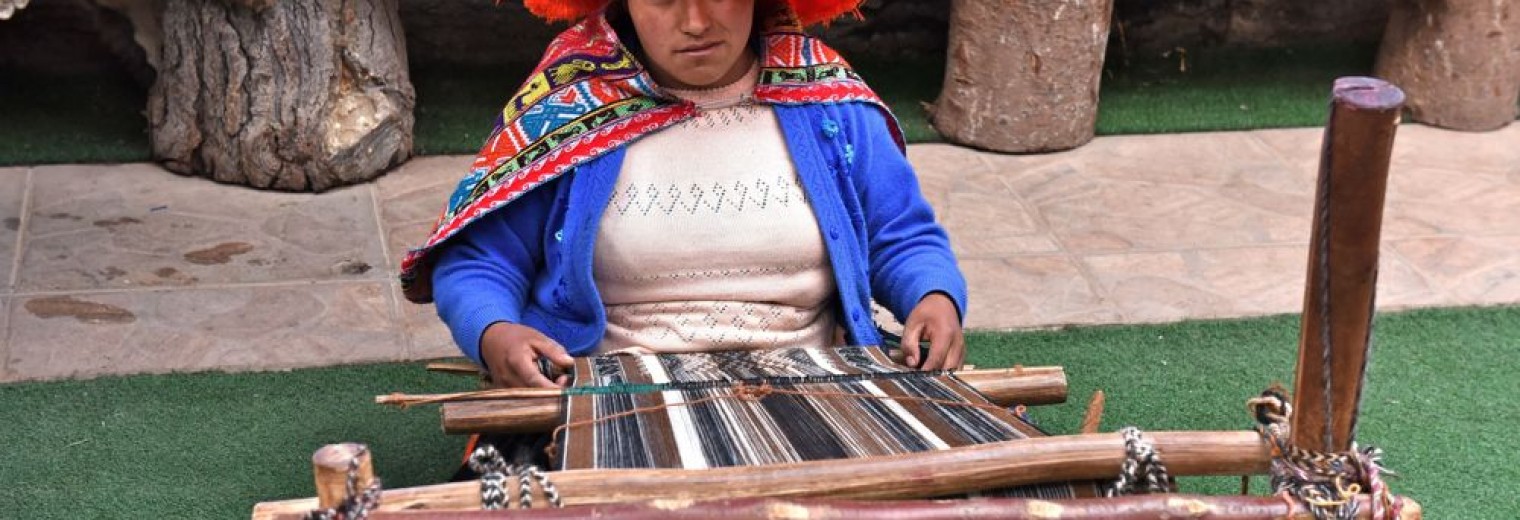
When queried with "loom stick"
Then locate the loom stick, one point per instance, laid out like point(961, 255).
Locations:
point(1339, 293)
point(1141, 507)
point(330, 465)
point(909, 476)
point(1003, 387)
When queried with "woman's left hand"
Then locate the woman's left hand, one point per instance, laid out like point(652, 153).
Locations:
point(935, 319)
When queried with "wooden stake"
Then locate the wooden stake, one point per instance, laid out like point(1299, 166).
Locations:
point(331, 464)
point(1094, 417)
point(1343, 263)
point(539, 411)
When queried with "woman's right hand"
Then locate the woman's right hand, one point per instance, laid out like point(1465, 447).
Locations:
point(511, 351)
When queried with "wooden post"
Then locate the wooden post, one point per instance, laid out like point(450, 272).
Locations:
point(1334, 340)
point(1023, 76)
point(1459, 61)
point(331, 464)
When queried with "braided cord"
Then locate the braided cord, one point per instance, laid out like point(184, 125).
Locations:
point(494, 472)
point(1141, 462)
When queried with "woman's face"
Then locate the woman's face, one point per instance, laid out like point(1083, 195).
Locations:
point(694, 43)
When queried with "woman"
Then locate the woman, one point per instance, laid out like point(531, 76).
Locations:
point(731, 184)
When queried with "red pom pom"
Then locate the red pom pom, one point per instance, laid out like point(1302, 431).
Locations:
point(808, 11)
point(563, 10)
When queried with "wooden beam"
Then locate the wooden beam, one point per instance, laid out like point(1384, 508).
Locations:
point(919, 475)
point(541, 413)
point(1140, 507)
point(1343, 263)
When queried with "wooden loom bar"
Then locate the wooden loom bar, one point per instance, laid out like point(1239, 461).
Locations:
point(1004, 387)
point(1142, 507)
point(1343, 262)
point(920, 475)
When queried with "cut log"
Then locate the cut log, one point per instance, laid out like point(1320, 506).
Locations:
point(1023, 76)
point(288, 95)
point(917, 475)
point(1005, 387)
point(1339, 293)
point(1458, 61)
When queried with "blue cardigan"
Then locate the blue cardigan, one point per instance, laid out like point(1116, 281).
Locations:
point(530, 262)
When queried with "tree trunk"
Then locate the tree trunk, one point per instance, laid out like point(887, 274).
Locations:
point(1458, 62)
point(298, 95)
point(1023, 76)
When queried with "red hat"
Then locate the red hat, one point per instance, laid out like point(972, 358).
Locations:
point(808, 11)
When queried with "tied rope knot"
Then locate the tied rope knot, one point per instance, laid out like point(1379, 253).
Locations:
point(1326, 482)
point(753, 392)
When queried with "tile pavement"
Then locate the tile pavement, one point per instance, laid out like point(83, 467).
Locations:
point(114, 269)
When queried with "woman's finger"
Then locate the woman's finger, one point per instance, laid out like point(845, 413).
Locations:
point(526, 366)
point(939, 348)
point(957, 350)
point(911, 333)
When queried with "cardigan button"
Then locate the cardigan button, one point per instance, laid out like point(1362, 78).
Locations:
point(559, 236)
point(830, 128)
point(833, 234)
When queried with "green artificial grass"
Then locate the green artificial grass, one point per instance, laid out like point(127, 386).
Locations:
point(98, 119)
point(1440, 401)
point(1211, 89)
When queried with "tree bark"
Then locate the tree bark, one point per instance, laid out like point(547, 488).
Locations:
point(290, 95)
point(1458, 62)
point(1023, 76)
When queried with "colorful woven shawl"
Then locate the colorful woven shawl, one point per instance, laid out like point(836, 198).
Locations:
point(590, 95)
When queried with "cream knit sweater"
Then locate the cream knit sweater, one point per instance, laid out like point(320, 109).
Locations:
point(709, 242)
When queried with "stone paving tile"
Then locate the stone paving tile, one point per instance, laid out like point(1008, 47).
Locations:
point(987, 219)
point(1430, 201)
point(412, 197)
point(1092, 214)
point(1462, 186)
point(1032, 291)
point(267, 327)
point(1468, 270)
point(1169, 286)
point(135, 225)
point(1415, 145)
point(427, 336)
point(1199, 159)
point(1418, 145)
point(940, 167)
point(1225, 283)
point(1298, 148)
point(12, 196)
